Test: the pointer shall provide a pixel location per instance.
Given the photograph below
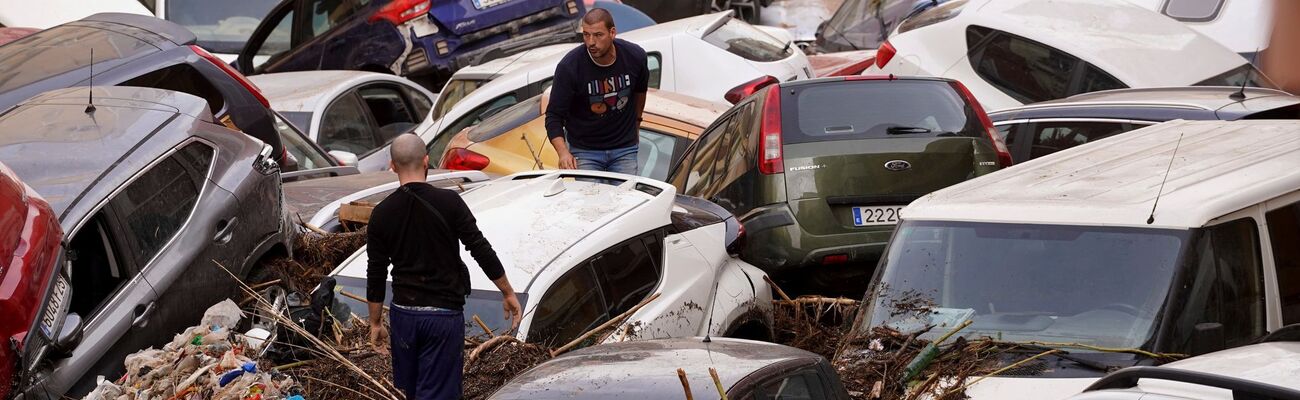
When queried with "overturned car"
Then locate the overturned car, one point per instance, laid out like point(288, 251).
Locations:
point(582, 253)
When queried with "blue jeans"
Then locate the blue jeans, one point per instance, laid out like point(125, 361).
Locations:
point(622, 160)
point(427, 351)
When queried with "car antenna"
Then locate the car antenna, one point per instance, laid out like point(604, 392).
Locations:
point(1152, 217)
point(90, 90)
point(708, 329)
point(1240, 94)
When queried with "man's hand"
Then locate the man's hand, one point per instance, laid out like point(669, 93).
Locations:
point(514, 312)
point(379, 337)
point(567, 161)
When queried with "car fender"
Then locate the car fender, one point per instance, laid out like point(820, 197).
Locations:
point(743, 296)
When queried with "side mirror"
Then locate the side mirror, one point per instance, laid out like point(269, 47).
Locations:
point(69, 337)
point(1208, 338)
point(345, 158)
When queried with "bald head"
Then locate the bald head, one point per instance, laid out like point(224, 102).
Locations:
point(598, 15)
point(408, 153)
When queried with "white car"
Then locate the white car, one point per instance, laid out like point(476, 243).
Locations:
point(1259, 371)
point(45, 14)
point(582, 253)
point(1013, 52)
point(702, 56)
point(221, 26)
point(350, 113)
point(1072, 251)
point(1242, 26)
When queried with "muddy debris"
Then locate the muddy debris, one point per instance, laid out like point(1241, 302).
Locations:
point(496, 365)
point(814, 324)
point(314, 256)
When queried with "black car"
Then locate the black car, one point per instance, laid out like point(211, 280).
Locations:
point(1039, 129)
point(647, 369)
point(133, 50)
point(151, 192)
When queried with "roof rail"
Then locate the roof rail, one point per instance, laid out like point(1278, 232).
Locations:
point(1241, 389)
point(624, 181)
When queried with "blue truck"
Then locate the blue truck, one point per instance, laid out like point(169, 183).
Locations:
point(425, 40)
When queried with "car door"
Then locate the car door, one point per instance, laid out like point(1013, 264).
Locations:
point(346, 126)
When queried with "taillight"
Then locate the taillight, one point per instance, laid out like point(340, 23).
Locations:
point(1004, 154)
point(238, 77)
point(770, 161)
point(884, 54)
point(464, 160)
point(738, 93)
point(400, 11)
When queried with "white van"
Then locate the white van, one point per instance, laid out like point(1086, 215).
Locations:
point(1066, 251)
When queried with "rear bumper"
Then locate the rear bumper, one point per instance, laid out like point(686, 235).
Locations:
point(776, 243)
point(548, 27)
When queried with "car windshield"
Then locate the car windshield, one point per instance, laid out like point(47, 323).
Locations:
point(221, 26)
point(299, 119)
point(454, 92)
point(307, 156)
point(1098, 286)
point(876, 109)
point(743, 39)
point(506, 120)
point(486, 304)
point(63, 49)
point(864, 24)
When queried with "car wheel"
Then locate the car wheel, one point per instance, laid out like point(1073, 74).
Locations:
point(752, 330)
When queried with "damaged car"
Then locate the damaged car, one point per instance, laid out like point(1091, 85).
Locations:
point(153, 193)
point(583, 253)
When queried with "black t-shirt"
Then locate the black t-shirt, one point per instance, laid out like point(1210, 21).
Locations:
point(596, 105)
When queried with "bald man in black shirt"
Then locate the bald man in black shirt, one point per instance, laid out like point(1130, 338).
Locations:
point(416, 229)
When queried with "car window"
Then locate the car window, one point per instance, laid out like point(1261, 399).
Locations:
point(629, 272)
point(1051, 137)
point(98, 267)
point(654, 62)
point(742, 39)
point(506, 120)
point(656, 152)
point(865, 24)
point(221, 26)
point(1023, 69)
point(156, 205)
point(742, 144)
point(454, 92)
point(1284, 234)
point(1226, 284)
point(569, 308)
point(326, 14)
point(392, 115)
point(477, 115)
point(699, 173)
point(1192, 10)
point(1094, 79)
point(876, 109)
point(63, 49)
point(299, 119)
point(278, 42)
point(420, 103)
point(345, 127)
point(182, 78)
point(1235, 77)
point(299, 147)
point(802, 385)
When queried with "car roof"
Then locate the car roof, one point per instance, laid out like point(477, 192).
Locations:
point(1220, 167)
point(1136, 45)
point(537, 219)
point(1185, 101)
point(49, 13)
point(56, 122)
point(647, 369)
point(307, 91)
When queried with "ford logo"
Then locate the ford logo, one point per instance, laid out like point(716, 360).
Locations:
point(898, 165)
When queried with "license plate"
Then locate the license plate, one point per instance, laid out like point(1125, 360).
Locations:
point(877, 215)
point(58, 297)
point(423, 27)
point(481, 4)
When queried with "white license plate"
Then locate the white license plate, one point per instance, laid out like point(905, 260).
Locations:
point(877, 215)
point(58, 297)
point(481, 4)
point(423, 26)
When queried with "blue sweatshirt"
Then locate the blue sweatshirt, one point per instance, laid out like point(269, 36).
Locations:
point(597, 105)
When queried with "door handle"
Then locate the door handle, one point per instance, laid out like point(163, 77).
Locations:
point(225, 229)
point(142, 315)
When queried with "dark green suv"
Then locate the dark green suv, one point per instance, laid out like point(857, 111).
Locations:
point(818, 170)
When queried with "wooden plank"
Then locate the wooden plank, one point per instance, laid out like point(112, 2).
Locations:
point(356, 212)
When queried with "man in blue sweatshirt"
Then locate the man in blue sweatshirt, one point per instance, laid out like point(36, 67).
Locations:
point(596, 100)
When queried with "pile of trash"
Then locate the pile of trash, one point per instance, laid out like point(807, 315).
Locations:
point(207, 361)
point(816, 324)
point(884, 364)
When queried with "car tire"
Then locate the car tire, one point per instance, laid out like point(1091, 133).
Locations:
point(751, 330)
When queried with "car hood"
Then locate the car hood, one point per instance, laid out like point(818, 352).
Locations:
point(996, 388)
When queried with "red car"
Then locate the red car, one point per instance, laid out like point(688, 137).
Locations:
point(29, 250)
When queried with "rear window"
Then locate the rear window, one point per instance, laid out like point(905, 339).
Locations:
point(506, 120)
point(932, 16)
point(876, 109)
point(1245, 73)
point(60, 50)
point(742, 39)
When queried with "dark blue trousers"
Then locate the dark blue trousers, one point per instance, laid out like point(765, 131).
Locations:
point(427, 348)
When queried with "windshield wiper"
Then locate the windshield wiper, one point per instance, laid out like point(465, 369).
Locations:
point(1094, 365)
point(906, 130)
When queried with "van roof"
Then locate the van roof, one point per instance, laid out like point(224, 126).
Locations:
point(1220, 167)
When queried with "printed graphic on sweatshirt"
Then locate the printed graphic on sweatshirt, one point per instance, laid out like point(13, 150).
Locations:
point(609, 94)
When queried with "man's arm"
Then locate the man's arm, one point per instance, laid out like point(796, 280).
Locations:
point(557, 114)
point(478, 246)
point(377, 263)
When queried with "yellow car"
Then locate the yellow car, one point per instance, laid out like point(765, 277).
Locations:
point(514, 139)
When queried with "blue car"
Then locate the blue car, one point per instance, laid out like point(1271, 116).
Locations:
point(424, 40)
